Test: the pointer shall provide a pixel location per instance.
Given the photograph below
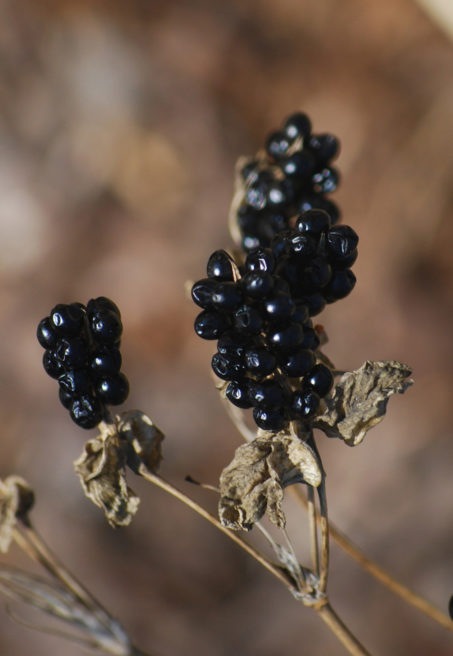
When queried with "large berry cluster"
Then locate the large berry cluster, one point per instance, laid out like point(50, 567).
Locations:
point(82, 353)
point(293, 175)
point(260, 314)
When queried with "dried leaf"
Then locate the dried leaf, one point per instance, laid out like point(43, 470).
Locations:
point(253, 482)
point(144, 438)
point(101, 469)
point(360, 399)
point(16, 499)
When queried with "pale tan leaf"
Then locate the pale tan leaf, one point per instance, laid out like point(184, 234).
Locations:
point(144, 438)
point(101, 469)
point(16, 499)
point(360, 399)
point(253, 482)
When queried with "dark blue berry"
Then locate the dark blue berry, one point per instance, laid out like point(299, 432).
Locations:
point(319, 379)
point(303, 245)
point(75, 381)
point(113, 390)
point(227, 367)
point(299, 166)
point(316, 275)
point(87, 411)
point(279, 306)
point(310, 340)
point(326, 180)
point(73, 353)
point(260, 361)
point(67, 320)
point(233, 344)
point(227, 296)
point(301, 313)
point(269, 419)
point(313, 222)
point(202, 292)
point(52, 366)
point(46, 334)
point(256, 195)
point(105, 361)
point(249, 172)
point(210, 325)
point(220, 266)
point(248, 319)
point(297, 363)
point(257, 284)
point(268, 394)
point(341, 243)
point(66, 397)
point(260, 259)
point(277, 144)
point(105, 326)
point(297, 126)
point(102, 303)
point(341, 284)
point(237, 392)
point(304, 403)
point(324, 146)
point(287, 338)
point(320, 202)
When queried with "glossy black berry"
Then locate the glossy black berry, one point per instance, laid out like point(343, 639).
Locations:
point(202, 292)
point(341, 284)
point(248, 319)
point(260, 259)
point(113, 390)
point(260, 361)
point(46, 334)
point(257, 284)
point(234, 344)
point(72, 352)
point(279, 306)
point(269, 419)
point(310, 340)
point(52, 366)
point(299, 165)
point(105, 326)
point(210, 325)
point(105, 361)
point(341, 243)
point(67, 320)
point(326, 180)
point(324, 147)
point(319, 379)
point(249, 172)
point(267, 393)
point(277, 144)
point(278, 195)
point(237, 393)
point(102, 303)
point(301, 313)
point(76, 381)
point(304, 245)
point(316, 276)
point(313, 222)
point(66, 397)
point(297, 126)
point(320, 202)
point(287, 338)
point(220, 266)
point(304, 403)
point(297, 363)
point(315, 303)
point(227, 367)
point(87, 411)
point(227, 296)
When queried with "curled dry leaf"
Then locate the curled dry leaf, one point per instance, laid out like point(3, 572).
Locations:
point(253, 482)
point(16, 499)
point(101, 469)
point(360, 399)
point(144, 439)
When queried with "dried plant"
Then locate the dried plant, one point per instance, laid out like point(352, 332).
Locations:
point(260, 302)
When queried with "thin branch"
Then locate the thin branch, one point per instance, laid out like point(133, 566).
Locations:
point(325, 548)
point(313, 528)
point(344, 635)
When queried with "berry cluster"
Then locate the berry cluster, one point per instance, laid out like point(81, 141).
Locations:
point(82, 353)
point(292, 176)
point(260, 314)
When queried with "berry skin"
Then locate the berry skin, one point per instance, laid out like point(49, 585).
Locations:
point(319, 202)
point(210, 325)
point(227, 296)
point(113, 390)
point(279, 306)
point(324, 147)
point(220, 266)
point(232, 344)
point(260, 361)
point(341, 284)
point(304, 404)
point(269, 419)
point(299, 165)
point(317, 275)
point(105, 361)
point(226, 367)
point(46, 334)
point(298, 363)
point(319, 379)
point(287, 338)
point(52, 366)
point(105, 326)
point(72, 353)
point(87, 411)
point(248, 320)
point(202, 292)
point(303, 245)
point(257, 284)
point(75, 381)
point(310, 340)
point(326, 180)
point(102, 303)
point(268, 394)
point(260, 259)
point(297, 125)
point(66, 398)
point(237, 392)
point(277, 144)
point(67, 319)
point(313, 222)
point(315, 303)
point(341, 243)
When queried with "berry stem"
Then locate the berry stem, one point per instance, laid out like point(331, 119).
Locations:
point(313, 528)
point(344, 635)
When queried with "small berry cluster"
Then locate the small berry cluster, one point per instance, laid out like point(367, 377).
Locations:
point(294, 175)
point(260, 314)
point(82, 353)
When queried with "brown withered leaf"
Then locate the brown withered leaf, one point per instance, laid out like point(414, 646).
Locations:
point(16, 499)
point(144, 438)
point(360, 399)
point(101, 469)
point(253, 482)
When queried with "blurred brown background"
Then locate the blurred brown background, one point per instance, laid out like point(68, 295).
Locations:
point(119, 127)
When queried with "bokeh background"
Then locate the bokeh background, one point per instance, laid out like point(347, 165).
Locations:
point(120, 124)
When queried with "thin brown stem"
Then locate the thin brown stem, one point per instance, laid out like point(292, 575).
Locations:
point(344, 635)
point(382, 575)
point(325, 548)
point(313, 528)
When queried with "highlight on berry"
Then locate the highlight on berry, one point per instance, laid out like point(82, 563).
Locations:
point(82, 353)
